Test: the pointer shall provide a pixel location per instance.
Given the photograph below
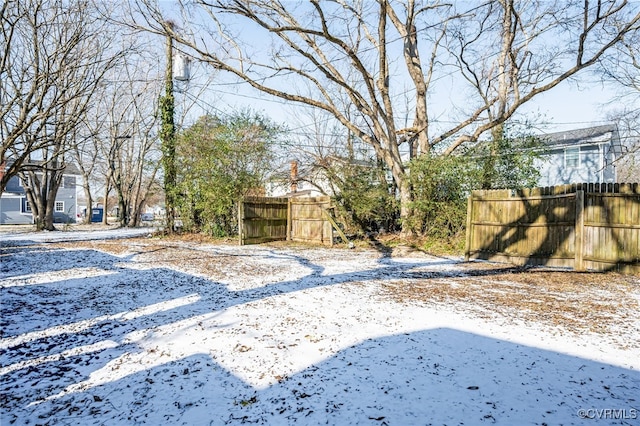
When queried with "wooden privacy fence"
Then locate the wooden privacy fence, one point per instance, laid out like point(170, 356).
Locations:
point(584, 226)
point(306, 219)
point(262, 219)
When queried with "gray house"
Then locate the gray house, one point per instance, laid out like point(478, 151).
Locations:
point(15, 208)
point(580, 156)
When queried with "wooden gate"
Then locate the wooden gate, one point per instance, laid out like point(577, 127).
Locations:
point(308, 221)
point(262, 219)
point(305, 219)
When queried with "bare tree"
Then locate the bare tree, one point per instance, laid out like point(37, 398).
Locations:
point(628, 161)
point(500, 53)
point(622, 71)
point(85, 154)
point(123, 147)
point(55, 57)
point(51, 63)
point(134, 157)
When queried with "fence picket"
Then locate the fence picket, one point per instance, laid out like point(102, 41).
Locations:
point(262, 219)
point(585, 226)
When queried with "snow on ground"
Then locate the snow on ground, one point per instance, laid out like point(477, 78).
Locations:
point(162, 332)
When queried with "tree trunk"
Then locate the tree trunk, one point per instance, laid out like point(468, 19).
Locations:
point(401, 180)
point(86, 188)
point(49, 219)
point(489, 163)
point(37, 208)
point(105, 204)
point(87, 211)
point(406, 210)
point(167, 137)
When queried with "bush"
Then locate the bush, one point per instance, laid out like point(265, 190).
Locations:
point(508, 162)
point(441, 186)
point(364, 199)
point(219, 161)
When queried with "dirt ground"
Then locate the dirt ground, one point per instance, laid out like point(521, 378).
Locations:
point(578, 302)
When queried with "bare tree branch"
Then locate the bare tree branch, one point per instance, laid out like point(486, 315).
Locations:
point(502, 53)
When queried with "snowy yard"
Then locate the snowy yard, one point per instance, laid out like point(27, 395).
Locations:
point(99, 330)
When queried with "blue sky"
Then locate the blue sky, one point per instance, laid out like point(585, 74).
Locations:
point(567, 106)
point(571, 106)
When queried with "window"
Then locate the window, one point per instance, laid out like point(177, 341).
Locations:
point(23, 183)
point(26, 207)
point(59, 206)
point(590, 157)
point(571, 158)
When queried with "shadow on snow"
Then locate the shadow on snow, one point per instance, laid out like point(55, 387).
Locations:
point(439, 375)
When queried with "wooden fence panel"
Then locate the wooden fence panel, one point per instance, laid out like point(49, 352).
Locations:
point(592, 226)
point(308, 222)
point(262, 219)
point(521, 225)
point(612, 229)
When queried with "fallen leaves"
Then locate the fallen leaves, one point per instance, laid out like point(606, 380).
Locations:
point(577, 301)
point(592, 302)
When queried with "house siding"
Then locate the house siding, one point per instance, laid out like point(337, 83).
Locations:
point(13, 199)
point(555, 172)
point(67, 195)
point(595, 158)
point(14, 185)
point(11, 211)
point(551, 168)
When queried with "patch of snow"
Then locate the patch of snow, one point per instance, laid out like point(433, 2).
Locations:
point(280, 336)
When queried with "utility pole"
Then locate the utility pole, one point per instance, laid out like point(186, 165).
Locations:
point(168, 138)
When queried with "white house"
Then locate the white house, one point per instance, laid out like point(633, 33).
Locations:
point(580, 156)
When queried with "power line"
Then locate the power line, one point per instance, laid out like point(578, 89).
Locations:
point(296, 131)
point(395, 95)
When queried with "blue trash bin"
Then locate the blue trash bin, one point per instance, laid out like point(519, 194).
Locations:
point(97, 214)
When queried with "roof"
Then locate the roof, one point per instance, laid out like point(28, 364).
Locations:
point(581, 136)
point(70, 168)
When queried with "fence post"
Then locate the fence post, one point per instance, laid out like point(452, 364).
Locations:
point(467, 248)
point(241, 221)
point(578, 264)
point(289, 224)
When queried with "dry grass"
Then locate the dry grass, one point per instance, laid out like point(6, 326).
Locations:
point(453, 245)
point(595, 302)
point(179, 252)
point(602, 303)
